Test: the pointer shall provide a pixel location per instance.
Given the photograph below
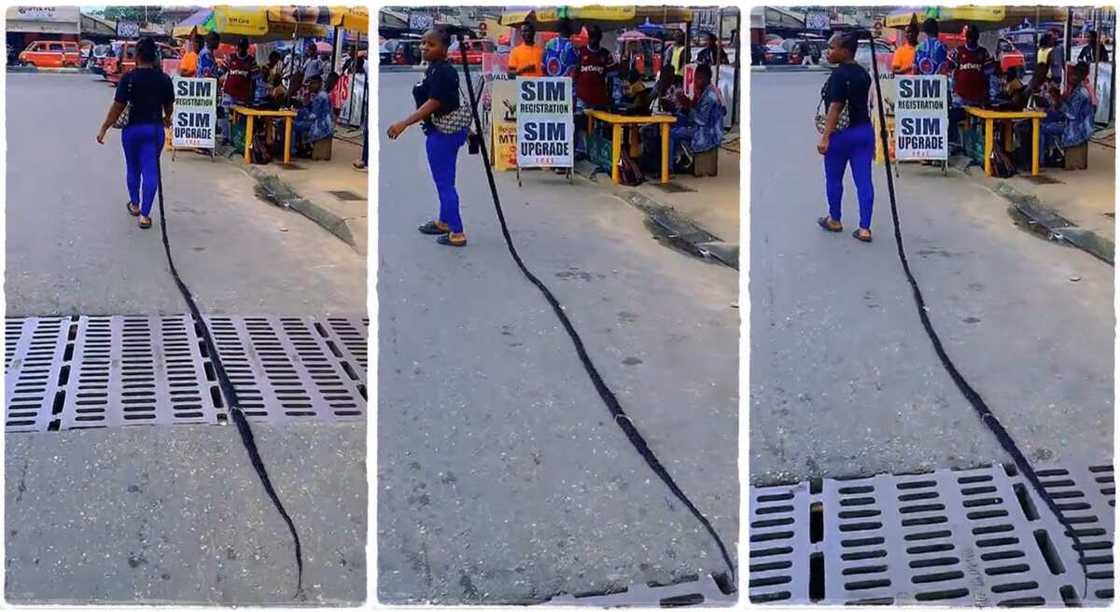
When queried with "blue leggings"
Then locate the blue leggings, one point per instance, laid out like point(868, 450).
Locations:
point(142, 145)
point(855, 145)
point(443, 153)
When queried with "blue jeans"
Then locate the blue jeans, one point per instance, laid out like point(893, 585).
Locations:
point(855, 146)
point(443, 153)
point(142, 145)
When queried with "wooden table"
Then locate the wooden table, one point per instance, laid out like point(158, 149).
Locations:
point(250, 113)
point(991, 116)
point(617, 121)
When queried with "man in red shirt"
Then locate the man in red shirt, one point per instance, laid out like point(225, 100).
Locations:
point(239, 78)
point(971, 65)
point(594, 64)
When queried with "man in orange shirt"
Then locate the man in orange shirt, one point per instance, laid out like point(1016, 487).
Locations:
point(189, 64)
point(525, 58)
point(903, 62)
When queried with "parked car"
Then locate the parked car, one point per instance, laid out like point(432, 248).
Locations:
point(884, 54)
point(51, 54)
point(475, 49)
point(794, 46)
point(97, 58)
point(405, 51)
point(116, 66)
point(775, 55)
point(384, 54)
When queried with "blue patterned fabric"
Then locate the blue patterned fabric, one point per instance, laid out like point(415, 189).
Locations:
point(1079, 112)
point(930, 56)
point(707, 116)
point(316, 120)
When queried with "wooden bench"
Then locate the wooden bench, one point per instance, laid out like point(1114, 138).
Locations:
point(321, 149)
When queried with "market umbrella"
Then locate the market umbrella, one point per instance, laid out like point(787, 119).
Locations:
point(984, 17)
point(549, 18)
point(188, 26)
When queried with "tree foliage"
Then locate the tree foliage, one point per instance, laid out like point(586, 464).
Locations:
point(134, 14)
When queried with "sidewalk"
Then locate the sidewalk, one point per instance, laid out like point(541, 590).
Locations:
point(1077, 205)
point(704, 212)
point(331, 193)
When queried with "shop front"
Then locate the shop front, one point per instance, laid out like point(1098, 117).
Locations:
point(27, 24)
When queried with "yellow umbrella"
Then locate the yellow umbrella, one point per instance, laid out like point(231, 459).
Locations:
point(985, 17)
point(237, 21)
point(350, 18)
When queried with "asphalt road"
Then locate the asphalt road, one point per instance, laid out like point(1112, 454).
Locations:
point(843, 379)
point(167, 514)
point(502, 477)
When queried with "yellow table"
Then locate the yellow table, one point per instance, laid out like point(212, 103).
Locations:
point(250, 113)
point(617, 121)
point(990, 117)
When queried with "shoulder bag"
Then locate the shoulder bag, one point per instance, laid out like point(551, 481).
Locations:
point(822, 115)
point(122, 120)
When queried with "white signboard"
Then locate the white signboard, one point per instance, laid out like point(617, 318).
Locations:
point(193, 122)
point(921, 117)
point(128, 29)
point(420, 22)
point(545, 125)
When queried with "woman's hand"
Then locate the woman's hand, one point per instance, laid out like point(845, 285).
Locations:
point(101, 135)
point(397, 129)
point(822, 146)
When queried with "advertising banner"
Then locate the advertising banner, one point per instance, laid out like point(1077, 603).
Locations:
point(193, 121)
point(545, 124)
point(921, 117)
point(503, 122)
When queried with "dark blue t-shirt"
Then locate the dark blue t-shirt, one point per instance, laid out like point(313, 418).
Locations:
point(441, 82)
point(850, 84)
point(148, 90)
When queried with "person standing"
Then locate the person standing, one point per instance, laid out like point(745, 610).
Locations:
point(560, 58)
point(207, 63)
point(238, 87)
point(595, 63)
point(931, 54)
point(1093, 52)
point(437, 98)
point(1057, 58)
point(971, 64)
point(188, 67)
point(846, 93)
point(147, 92)
point(711, 53)
point(676, 53)
point(525, 58)
point(903, 60)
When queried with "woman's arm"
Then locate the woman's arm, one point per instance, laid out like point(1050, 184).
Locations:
point(830, 122)
point(168, 113)
point(426, 109)
point(115, 111)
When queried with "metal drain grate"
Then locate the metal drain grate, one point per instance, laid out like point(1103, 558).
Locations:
point(696, 592)
point(67, 373)
point(975, 537)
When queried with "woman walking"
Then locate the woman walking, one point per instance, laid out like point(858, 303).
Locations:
point(445, 122)
point(147, 94)
point(846, 135)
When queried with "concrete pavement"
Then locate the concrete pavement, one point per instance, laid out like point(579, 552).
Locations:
point(502, 477)
point(844, 381)
point(167, 514)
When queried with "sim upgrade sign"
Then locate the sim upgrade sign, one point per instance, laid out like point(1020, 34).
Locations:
point(193, 120)
point(921, 117)
point(545, 125)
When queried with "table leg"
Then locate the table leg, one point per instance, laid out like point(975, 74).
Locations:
point(1035, 149)
point(988, 137)
point(616, 152)
point(664, 153)
point(248, 139)
point(287, 140)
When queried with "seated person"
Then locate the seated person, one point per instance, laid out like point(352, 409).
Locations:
point(665, 91)
point(315, 120)
point(702, 127)
point(636, 94)
point(1070, 121)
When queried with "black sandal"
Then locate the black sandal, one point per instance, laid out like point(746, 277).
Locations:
point(828, 227)
point(135, 212)
point(145, 224)
point(433, 229)
point(862, 237)
point(447, 240)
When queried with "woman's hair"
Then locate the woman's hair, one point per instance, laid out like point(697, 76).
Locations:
point(146, 50)
point(442, 34)
point(849, 41)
